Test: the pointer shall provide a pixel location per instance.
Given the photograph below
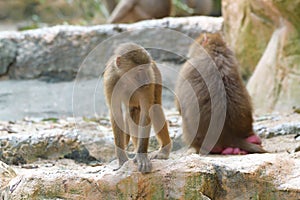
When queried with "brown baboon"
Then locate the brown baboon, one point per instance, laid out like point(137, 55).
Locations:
point(136, 10)
point(133, 77)
point(237, 136)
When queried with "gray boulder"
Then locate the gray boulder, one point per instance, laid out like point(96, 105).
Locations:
point(56, 53)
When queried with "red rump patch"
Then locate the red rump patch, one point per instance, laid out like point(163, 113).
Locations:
point(254, 139)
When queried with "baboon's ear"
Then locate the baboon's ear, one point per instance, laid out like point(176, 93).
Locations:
point(204, 39)
point(118, 61)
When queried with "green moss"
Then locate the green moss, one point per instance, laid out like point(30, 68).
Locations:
point(75, 191)
point(48, 193)
point(149, 188)
point(290, 10)
point(250, 52)
point(255, 31)
point(292, 46)
point(192, 187)
point(126, 188)
point(158, 191)
point(251, 43)
point(120, 194)
point(51, 119)
point(267, 192)
point(198, 185)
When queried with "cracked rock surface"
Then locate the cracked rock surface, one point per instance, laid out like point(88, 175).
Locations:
point(49, 172)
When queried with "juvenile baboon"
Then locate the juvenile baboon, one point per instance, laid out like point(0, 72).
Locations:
point(132, 79)
point(196, 77)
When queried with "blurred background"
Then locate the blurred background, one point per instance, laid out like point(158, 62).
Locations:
point(38, 66)
point(40, 61)
point(31, 14)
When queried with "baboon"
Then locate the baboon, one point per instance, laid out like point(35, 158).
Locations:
point(237, 136)
point(132, 79)
point(110, 5)
point(205, 7)
point(128, 11)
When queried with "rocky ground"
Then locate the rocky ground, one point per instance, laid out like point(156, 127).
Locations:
point(73, 158)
